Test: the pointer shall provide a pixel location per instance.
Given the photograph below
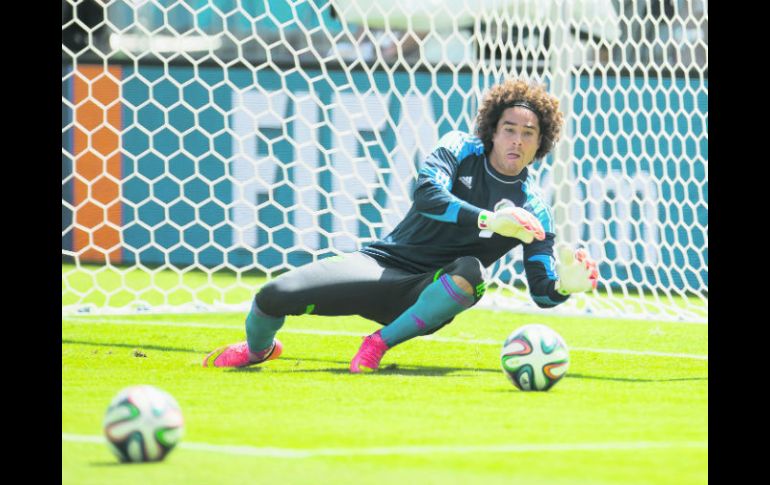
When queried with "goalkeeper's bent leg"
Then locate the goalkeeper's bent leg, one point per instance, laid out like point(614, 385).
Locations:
point(439, 302)
point(333, 286)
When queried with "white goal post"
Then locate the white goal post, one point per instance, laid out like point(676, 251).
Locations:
point(210, 145)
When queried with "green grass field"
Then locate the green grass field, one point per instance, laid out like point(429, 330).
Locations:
point(633, 408)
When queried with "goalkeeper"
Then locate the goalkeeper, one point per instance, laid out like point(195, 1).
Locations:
point(474, 202)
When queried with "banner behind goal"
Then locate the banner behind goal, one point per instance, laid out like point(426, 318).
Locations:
point(206, 143)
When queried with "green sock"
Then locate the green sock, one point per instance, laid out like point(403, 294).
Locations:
point(438, 302)
point(261, 328)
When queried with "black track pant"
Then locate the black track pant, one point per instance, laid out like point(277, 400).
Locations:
point(358, 284)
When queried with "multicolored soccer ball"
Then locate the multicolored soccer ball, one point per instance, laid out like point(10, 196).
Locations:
point(143, 423)
point(534, 357)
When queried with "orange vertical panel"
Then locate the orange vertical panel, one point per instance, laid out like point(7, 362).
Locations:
point(97, 163)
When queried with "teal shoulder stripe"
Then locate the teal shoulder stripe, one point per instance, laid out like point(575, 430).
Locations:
point(548, 263)
point(449, 215)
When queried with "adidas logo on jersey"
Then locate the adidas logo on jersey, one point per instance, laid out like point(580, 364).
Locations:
point(467, 181)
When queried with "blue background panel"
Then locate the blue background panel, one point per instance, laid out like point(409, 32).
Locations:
point(177, 157)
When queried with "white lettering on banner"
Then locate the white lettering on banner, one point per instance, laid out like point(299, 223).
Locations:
point(253, 175)
point(622, 192)
point(616, 193)
point(355, 176)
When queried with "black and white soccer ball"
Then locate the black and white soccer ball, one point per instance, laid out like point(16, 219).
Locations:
point(534, 357)
point(143, 424)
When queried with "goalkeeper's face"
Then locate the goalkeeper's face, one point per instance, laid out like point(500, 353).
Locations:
point(515, 141)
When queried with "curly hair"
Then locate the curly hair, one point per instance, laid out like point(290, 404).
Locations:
point(503, 96)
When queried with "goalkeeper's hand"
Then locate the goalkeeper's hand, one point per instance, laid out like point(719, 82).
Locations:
point(577, 272)
point(512, 221)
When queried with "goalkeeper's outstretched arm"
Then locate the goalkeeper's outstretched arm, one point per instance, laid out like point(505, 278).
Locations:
point(551, 282)
point(540, 270)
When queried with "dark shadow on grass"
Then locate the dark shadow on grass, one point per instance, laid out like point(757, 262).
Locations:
point(109, 464)
point(296, 366)
point(341, 368)
point(386, 369)
point(253, 368)
point(514, 390)
point(397, 371)
point(134, 346)
point(634, 379)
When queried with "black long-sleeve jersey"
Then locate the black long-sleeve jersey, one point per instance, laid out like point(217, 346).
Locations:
point(456, 183)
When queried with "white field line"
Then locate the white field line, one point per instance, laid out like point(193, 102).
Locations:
point(269, 452)
point(117, 321)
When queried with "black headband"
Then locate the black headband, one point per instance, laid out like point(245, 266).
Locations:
point(528, 105)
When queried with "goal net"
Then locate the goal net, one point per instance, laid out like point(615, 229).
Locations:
point(208, 146)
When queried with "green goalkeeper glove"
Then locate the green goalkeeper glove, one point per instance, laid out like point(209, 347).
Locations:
point(510, 221)
point(577, 272)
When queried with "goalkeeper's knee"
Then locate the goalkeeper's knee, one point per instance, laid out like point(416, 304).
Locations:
point(278, 298)
point(469, 270)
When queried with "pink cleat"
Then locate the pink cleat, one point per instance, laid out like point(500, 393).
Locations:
point(369, 355)
point(239, 355)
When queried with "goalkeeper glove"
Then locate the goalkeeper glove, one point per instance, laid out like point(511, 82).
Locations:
point(510, 221)
point(577, 272)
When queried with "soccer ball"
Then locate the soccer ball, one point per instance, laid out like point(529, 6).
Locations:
point(534, 358)
point(143, 423)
